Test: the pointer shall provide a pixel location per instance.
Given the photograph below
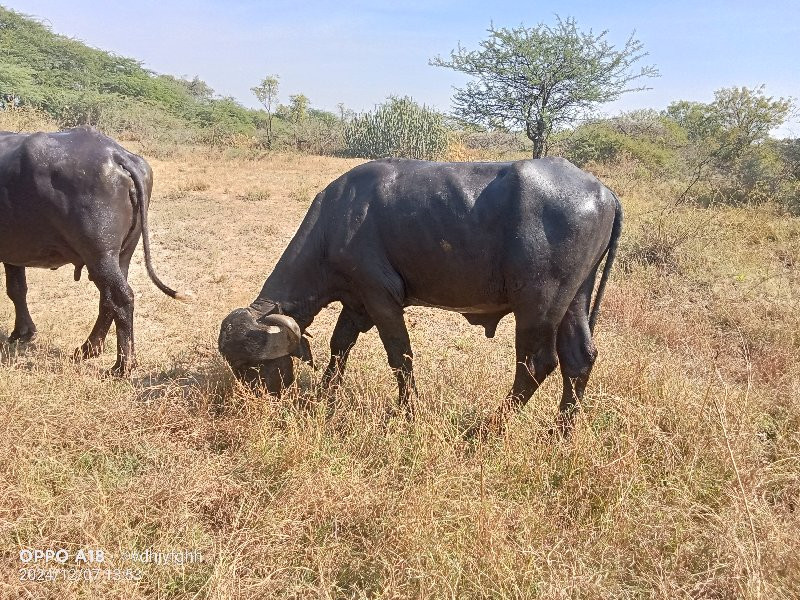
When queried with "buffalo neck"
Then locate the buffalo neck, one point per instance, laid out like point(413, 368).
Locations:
point(299, 284)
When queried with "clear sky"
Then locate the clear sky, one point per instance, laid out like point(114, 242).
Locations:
point(359, 52)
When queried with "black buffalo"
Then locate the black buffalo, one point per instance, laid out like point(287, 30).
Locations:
point(75, 197)
point(481, 239)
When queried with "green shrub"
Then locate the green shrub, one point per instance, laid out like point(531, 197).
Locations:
point(729, 156)
point(316, 132)
point(644, 136)
point(762, 173)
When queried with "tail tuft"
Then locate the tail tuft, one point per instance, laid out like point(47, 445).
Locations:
point(187, 296)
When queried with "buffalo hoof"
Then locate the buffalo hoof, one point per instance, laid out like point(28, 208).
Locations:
point(329, 399)
point(87, 350)
point(119, 371)
point(22, 335)
point(562, 430)
point(486, 428)
point(480, 433)
point(393, 412)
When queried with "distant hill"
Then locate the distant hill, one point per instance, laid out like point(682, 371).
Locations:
point(76, 84)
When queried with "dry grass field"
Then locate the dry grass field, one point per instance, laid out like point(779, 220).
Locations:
point(682, 479)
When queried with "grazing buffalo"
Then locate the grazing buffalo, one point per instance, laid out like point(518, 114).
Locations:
point(481, 239)
point(75, 197)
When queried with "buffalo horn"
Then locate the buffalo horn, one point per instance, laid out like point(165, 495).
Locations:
point(283, 335)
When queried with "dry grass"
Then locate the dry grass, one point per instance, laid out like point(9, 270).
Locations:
point(681, 481)
point(25, 119)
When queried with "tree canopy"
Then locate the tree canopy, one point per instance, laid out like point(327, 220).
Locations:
point(542, 78)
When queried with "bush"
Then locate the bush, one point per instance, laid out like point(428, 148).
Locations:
point(315, 132)
point(644, 136)
point(398, 128)
point(789, 152)
point(729, 157)
point(24, 119)
point(763, 173)
point(472, 145)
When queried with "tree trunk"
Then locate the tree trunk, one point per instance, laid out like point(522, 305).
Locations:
point(537, 133)
point(538, 148)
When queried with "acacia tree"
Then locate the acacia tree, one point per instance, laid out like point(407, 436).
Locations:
point(267, 94)
point(542, 78)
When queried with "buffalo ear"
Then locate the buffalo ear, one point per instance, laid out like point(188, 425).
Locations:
point(303, 352)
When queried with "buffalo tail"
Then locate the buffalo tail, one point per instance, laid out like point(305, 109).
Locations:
point(611, 252)
point(143, 200)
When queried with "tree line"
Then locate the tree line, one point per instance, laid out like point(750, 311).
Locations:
point(531, 90)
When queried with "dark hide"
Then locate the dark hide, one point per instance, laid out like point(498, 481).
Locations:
point(75, 197)
point(482, 239)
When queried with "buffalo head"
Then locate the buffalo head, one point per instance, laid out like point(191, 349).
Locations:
point(259, 348)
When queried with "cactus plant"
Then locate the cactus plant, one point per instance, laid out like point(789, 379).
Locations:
point(397, 128)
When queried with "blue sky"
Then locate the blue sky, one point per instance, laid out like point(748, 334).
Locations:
point(359, 52)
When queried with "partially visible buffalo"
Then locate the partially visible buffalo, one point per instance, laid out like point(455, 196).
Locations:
point(481, 239)
point(75, 197)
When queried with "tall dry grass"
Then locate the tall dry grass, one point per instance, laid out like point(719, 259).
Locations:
point(681, 480)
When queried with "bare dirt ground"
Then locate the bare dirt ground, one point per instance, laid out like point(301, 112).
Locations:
point(682, 480)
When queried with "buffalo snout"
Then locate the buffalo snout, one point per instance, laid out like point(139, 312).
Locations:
point(258, 348)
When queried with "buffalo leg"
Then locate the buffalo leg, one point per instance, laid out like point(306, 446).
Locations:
point(94, 344)
point(116, 298)
point(17, 290)
point(388, 318)
point(536, 359)
point(349, 325)
point(576, 353)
